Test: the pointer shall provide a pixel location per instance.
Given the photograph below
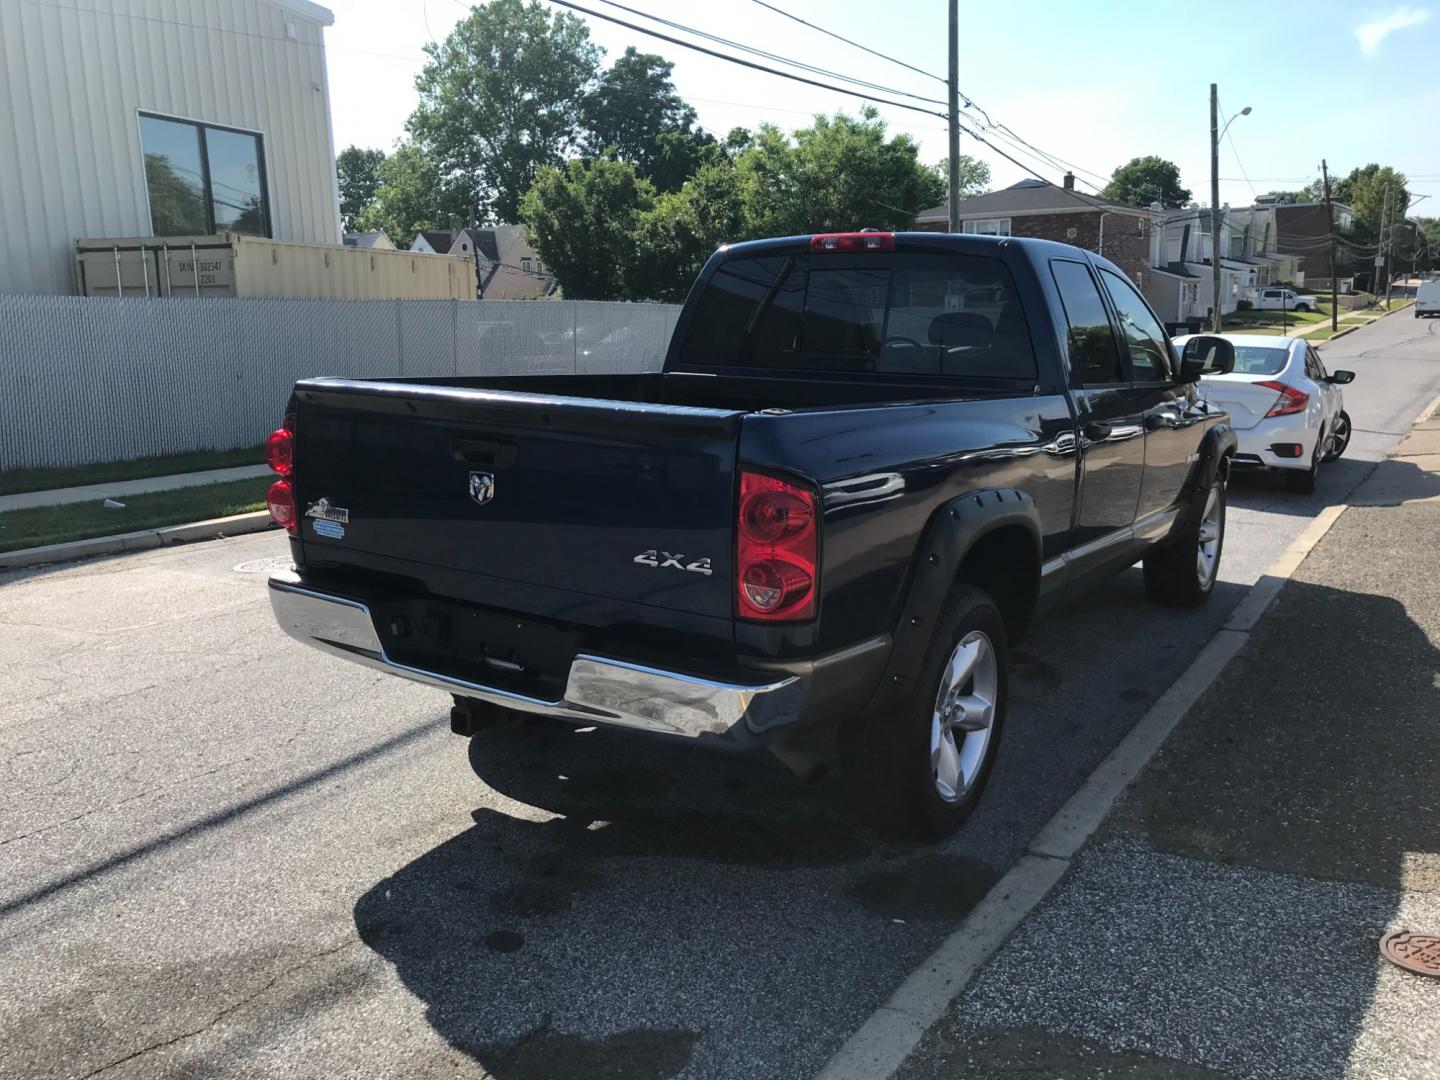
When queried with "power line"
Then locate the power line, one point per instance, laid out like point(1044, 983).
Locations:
point(745, 63)
point(776, 57)
point(824, 86)
point(847, 41)
point(1001, 131)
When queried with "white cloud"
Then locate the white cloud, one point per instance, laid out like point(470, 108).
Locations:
point(1372, 33)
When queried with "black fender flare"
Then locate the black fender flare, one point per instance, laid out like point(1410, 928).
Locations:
point(953, 531)
point(1213, 457)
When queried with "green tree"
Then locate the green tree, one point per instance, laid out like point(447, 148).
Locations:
point(357, 171)
point(410, 196)
point(674, 237)
point(582, 221)
point(1145, 180)
point(1377, 194)
point(680, 155)
point(974, 176)
point(631, 105)
point(500, 98)
point(839, 173)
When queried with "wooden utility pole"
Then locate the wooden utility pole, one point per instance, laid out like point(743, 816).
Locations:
point(954, 116)
point(1384, 255)
point(1215, 206)
point(1330, 225)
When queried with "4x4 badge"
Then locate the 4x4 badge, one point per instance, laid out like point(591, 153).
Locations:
point(482, 487)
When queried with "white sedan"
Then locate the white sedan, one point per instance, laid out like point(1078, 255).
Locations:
point(1288, 412)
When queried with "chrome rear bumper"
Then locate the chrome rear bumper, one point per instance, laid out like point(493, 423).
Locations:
point(598, 690)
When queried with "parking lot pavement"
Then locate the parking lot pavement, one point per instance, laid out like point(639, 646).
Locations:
point(224, 854)
point(1226, 920)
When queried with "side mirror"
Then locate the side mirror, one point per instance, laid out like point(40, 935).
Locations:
point(1206, 354)
point(1340, 378)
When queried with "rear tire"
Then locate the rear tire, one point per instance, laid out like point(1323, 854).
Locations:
point(1182, 573)
point(1303, 483)
point(1339, 438)
point(915, 771)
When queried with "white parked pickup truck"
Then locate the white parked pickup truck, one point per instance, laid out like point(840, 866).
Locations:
point(1275, 299)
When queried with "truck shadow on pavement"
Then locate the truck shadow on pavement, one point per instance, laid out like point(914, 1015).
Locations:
point(603, 900)
point(624, 907)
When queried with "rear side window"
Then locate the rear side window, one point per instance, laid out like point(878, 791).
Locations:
point(1094, 357)
point(902, 314)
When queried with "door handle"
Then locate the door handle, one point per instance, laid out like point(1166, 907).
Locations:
point(1095, 431)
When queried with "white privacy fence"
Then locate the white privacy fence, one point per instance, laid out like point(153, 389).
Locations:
point(87, 379)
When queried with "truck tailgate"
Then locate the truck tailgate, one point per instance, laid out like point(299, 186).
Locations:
point(568, 493)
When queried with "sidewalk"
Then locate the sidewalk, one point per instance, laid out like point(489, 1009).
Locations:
point(1225, 920)
point(118, 489)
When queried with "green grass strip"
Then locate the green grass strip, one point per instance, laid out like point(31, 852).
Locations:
point(13, 481)
point(81, 521)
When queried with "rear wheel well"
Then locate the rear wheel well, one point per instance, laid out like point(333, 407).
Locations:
point(1004, 563)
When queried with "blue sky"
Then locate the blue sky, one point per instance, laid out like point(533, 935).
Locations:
point(1093, 83)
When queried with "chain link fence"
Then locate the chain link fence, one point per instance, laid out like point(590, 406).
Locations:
point(89, 379)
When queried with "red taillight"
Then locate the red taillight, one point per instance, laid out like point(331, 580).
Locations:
point(852, 241)
point(280, 452)
point(776, 550)
point(1291, 400)
point(281, 504)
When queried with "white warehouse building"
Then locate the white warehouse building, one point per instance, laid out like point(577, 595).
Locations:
point(135, 118)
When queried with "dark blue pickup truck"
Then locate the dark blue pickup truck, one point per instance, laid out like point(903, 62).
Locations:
point(870, 461)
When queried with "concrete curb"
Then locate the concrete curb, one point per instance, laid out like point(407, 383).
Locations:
point(883, 1042)
point(235, 525)
point(1427, 412)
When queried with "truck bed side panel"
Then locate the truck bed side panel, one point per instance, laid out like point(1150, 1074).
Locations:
point(885, 471)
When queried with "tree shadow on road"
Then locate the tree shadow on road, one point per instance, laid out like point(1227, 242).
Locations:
point(1315, 756)
point(1392, 481)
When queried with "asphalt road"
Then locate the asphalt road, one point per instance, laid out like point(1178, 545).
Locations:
point(224, 854)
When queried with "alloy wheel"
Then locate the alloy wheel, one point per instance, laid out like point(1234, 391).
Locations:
point(964, 716)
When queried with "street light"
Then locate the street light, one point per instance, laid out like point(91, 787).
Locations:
point(1243, 112)
point(1216, 131)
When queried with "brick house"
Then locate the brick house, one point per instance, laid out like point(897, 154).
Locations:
point(1126, 235)
point(1304, 230)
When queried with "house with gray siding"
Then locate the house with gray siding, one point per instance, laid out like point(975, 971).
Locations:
point(139, 118)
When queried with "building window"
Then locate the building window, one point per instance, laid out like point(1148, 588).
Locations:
point(525, 265)
point(203, 179)
point(987, 227)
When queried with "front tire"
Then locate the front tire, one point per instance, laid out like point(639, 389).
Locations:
point(1182, 573)
point(919, 770)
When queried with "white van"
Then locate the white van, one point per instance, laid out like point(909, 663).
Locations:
point(1427, 298)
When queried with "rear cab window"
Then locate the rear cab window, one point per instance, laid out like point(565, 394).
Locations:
point(895, 315)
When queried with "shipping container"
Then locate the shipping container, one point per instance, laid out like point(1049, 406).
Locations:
point(233, 264)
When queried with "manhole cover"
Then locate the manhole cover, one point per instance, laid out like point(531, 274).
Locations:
point(275, 564)
point(1419, 953)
